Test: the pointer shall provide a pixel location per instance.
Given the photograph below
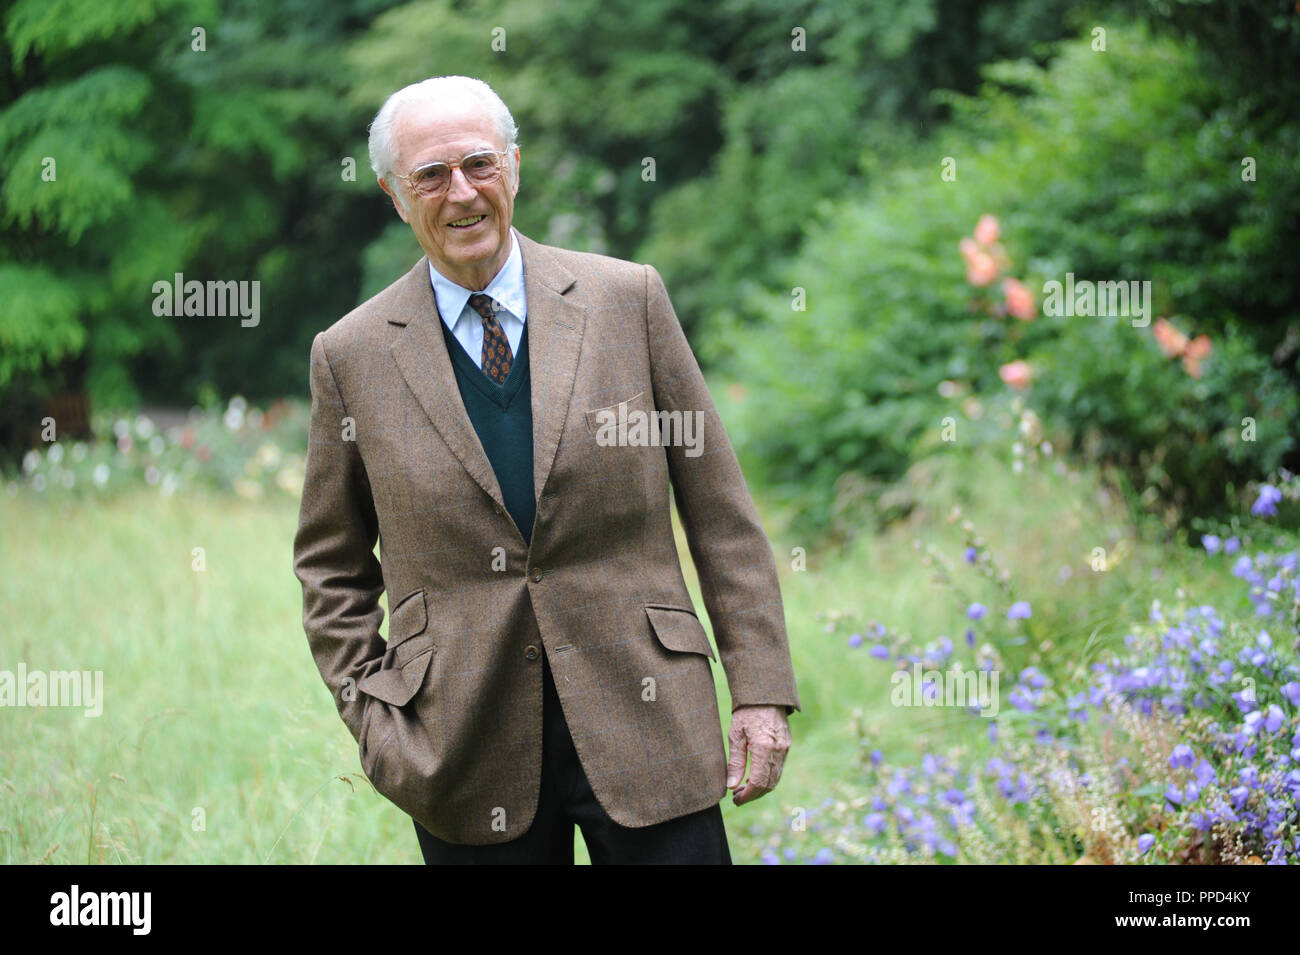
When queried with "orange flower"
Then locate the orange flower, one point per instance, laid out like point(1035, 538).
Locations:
point(1171, 341)
point(1197, 348)
point(981, 269)
point(969, 249)
point(986, 231)
point(1020, 301)
point(1175, 344)
point(1017, 374)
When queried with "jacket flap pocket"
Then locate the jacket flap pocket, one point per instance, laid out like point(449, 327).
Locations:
point(598, 418)
point(679, 629)
point(408, 619)
point(398, 685)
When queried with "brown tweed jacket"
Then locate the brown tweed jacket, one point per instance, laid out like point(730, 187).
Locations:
point(448, 712)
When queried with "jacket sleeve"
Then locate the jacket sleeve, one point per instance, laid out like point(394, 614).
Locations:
point(333, 550)
point(732, 554)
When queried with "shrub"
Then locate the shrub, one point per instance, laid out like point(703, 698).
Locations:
point(1183, 746)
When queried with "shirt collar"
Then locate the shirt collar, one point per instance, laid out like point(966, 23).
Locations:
point(507, 287)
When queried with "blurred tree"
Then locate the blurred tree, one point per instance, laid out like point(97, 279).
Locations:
point(149, 137)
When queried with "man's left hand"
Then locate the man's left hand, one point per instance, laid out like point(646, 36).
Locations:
point(762, 733)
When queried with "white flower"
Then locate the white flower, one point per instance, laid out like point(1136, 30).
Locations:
point(238, 403)
point(38, 482)
point(121, 428)
point(100, 475)
point(233, 418)
point(157, 445)
point(151, 475)
point(79, 451)
point(170, 483)
point(31, 461)
point(55, 454)
point(143, 426)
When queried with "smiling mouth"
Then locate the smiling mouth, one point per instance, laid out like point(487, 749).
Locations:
point(467, 222)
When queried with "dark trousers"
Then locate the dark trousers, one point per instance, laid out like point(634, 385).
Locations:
point(566, 800)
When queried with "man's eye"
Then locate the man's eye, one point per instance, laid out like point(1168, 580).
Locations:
point(475, 163)
point(429, 173)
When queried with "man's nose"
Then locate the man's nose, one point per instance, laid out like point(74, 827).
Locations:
point(461, 189)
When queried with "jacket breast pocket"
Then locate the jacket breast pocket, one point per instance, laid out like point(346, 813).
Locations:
point(622, 417)
point(679, 629)
point(410, 650)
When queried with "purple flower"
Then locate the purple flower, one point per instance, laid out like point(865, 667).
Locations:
point(1204, 773)
point(1020, 610)
point(879, 652)
point(770, 857)
point(823, 857)
point(1145, 842)
point(970, 555)
point(1266, 504)
point(876, 757)
point(976, 611)
point(1211, 543)
point(1292, 692)
point(1231, 545)
point(1182, 757)
point(1032, 677)
point(970, 641)
point(1275, 718)
point(855, 640)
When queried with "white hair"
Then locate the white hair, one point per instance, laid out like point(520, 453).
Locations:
point(460, 89)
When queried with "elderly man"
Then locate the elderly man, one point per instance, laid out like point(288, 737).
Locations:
point(505, 420)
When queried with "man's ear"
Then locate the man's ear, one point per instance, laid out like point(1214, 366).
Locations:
point(516, 184)
point(396, 203)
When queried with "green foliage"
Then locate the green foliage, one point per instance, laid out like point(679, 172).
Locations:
point(1104, 169)
point(133, 152)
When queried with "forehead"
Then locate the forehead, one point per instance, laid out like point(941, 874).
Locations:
point(424, 132)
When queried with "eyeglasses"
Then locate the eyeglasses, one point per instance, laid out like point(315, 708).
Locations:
point(433, 179)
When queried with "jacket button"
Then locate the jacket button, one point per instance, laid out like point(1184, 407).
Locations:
point(531, 652)
point(537, 574)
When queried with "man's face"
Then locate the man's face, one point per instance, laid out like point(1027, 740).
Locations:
point(469, 255)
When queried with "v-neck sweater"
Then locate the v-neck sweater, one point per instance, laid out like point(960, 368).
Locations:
point(502, 416)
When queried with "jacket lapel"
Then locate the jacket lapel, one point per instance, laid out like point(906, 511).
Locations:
point(554, 328)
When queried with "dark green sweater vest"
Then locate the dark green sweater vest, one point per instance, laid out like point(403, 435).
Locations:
point(503, 417)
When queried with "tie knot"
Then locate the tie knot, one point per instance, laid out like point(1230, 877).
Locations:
point(485, 305)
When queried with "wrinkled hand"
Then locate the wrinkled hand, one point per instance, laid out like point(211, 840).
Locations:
point(763, 733)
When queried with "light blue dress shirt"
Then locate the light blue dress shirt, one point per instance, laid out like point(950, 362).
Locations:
point(507, 287)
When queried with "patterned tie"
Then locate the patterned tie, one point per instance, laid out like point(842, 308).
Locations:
point(496, 356)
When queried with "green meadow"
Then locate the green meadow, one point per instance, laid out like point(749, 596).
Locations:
point(218, 741)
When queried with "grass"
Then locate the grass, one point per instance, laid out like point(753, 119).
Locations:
point(219, 742)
